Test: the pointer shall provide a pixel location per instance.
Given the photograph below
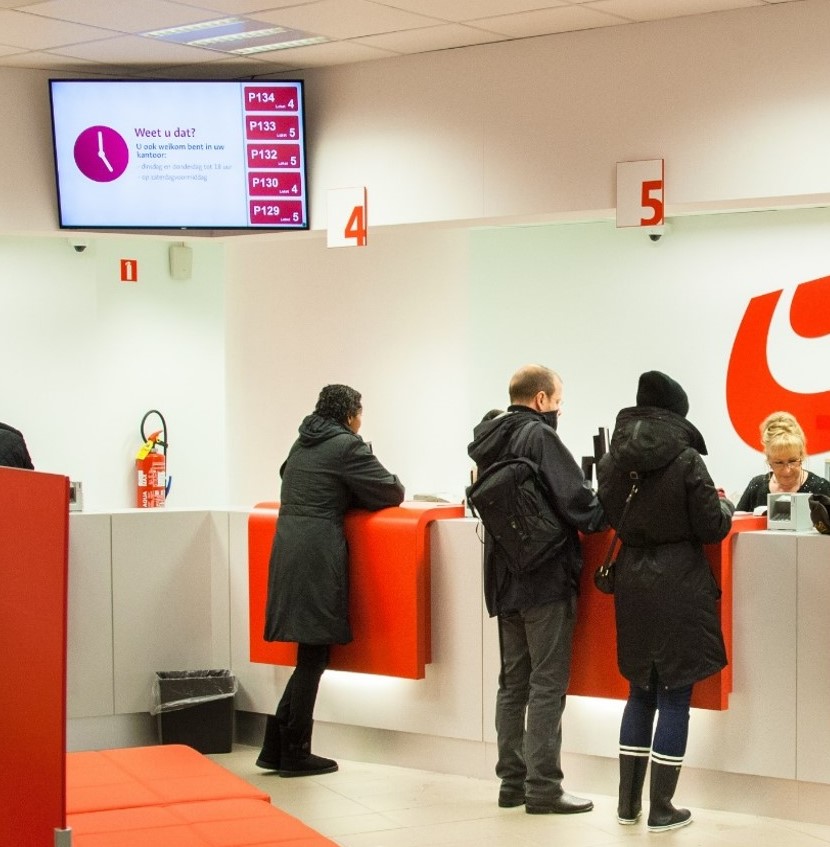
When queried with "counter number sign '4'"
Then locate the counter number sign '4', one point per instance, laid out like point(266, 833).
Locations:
point(640, 188)
point(347, 221)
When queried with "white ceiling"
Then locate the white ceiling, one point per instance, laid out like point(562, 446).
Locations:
point(105, 36)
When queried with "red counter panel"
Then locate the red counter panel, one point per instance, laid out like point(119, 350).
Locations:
point(34, 528)
point(389, 589)
point(594, 670)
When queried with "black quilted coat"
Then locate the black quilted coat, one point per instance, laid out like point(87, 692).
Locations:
point(665, 596)
point(329, 470)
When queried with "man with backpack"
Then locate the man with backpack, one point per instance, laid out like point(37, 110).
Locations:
point(532, 560)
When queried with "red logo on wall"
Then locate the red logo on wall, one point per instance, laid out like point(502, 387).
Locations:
point(751, 390)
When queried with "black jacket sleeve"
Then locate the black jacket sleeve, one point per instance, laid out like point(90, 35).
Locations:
point(573, 498)
point(370, 485)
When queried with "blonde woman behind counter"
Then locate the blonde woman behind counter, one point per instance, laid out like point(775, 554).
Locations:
point(785, 449)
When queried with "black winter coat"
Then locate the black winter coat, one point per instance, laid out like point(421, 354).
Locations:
point(329, 470)
point(525, 432)
point(665, 595)
point(13, 452)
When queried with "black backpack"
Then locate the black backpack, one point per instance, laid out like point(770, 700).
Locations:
point(511, 500)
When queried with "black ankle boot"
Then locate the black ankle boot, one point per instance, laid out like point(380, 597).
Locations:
point(662, 815)
point(269, 756)
point(632, 776)
point(296, 758)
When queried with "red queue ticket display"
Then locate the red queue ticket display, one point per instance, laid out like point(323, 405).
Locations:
point(180, 154)
point(274, 184)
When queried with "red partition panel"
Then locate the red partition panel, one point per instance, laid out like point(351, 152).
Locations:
point(34, 525)
point(389, 589)
point(594, 670)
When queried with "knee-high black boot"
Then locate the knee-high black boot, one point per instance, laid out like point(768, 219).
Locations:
point(296, 758)
point(632, 776)
point(269, 756)
point(662, 815)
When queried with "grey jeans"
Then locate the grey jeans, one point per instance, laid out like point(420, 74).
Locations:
point(535, 669)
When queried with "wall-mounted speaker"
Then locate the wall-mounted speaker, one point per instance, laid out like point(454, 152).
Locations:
point(181, 261)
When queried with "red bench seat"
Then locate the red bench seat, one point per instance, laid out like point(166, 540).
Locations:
point(172, 796)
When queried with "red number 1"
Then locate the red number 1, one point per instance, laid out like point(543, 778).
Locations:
point(356, 226)
point(654, 203)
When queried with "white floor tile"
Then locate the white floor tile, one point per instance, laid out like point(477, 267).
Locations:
point(367, 805)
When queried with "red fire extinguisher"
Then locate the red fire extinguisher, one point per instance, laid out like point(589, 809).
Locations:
point(152, 479)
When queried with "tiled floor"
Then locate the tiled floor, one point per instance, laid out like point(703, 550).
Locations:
point(366, 805)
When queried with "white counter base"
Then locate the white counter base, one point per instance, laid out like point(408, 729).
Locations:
point(167, 590)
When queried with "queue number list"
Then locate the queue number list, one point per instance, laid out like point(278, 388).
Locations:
point(274, 153)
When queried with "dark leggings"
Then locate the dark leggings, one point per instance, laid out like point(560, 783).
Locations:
point(296, 707)
point(672, 730)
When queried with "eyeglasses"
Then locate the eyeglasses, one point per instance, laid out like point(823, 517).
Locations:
point(780, 466)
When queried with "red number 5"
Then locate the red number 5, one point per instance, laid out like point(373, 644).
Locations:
point(653, 203)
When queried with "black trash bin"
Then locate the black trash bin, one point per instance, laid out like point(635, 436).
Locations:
point(195, 708)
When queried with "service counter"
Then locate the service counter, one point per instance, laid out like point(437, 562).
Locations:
point(169, 590)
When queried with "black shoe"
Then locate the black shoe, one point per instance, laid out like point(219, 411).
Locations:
point(674, 820)
point(511, 799)
point(565, 804)
point(309, 765)
point(662, 814)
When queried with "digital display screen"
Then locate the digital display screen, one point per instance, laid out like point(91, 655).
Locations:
point(131, 154)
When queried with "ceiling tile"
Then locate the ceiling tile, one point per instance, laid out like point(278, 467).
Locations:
point(242, 7)
point(543, 22)
point(338, 19)
point(650, 10)
point(445, 37)
point(35, 33)
point(53, 62)
point(123, 17)
point(235, 68)
point(130, 49)
point(331, 53)
point(467, 10)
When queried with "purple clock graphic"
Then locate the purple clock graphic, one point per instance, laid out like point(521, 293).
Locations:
point(101, 153)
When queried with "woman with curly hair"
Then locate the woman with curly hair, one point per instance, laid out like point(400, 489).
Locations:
point(329, 470)
point(785, 449)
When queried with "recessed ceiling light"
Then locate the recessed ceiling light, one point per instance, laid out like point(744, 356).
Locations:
point(240, 36)
point(236, 36)
point(279, 45)
point(188, 28)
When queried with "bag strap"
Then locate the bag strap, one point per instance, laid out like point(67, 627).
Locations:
point(635, 486)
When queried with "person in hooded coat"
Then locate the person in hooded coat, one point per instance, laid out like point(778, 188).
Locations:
point(329, 470)
point(13, 451)
point(665, 596)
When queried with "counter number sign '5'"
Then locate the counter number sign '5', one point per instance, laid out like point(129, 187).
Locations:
point(640, 187)
point(348, 221)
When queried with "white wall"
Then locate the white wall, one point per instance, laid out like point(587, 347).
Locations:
point(86, 355)
point(432, 344)
point(390, 320)
point(736, 103)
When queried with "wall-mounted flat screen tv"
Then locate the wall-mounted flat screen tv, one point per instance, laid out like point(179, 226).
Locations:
point(131, 154)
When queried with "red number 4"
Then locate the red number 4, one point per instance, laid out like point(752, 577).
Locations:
point(356, 226)
point(653, 203)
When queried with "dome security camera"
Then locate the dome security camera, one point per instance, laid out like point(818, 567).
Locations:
point(655, 233)
point(78, 245)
